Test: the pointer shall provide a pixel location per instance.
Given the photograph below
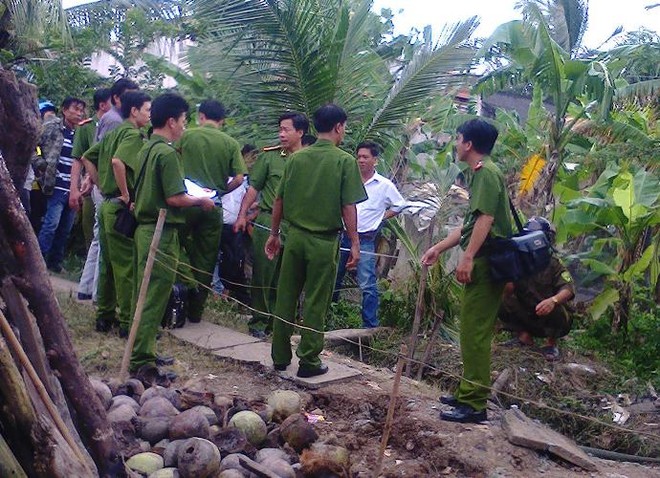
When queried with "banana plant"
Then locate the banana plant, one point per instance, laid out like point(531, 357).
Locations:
point(617, 214)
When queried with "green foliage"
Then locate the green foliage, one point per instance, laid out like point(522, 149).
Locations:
point(637, 352)
point(343, 315)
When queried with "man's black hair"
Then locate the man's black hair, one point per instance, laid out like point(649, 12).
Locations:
point(299, 120)
point(482, 134)
point(166, 106)
point(248, 148)
point(308, 140)
point(327, 117)
point(70, 100)
point(120, 86)
point(101, 96)
point(132, 99)
point(213, 110)
point(371, 146)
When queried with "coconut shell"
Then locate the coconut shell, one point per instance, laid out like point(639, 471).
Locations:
point(333, 453)
point(103, 391)
point(154, 429)
point(284, 403)
point(171, 453)
point(271, 454)
point(231, 474)
point(297, 432)
point(173, 395)
point(280, 467)
point(124, 400)
point(251, 424)
point(188, 424)
point(262, 409)
point(208, 413)
point(232, 462)
point(230, 440)
point(165, 473)
point(121, 413)
point(131, 387)
point(145, 463)
point(158, 407)
point(198, 458)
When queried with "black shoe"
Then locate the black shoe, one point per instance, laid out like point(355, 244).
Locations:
point(258, 334)
point(280, 367)
point(312, 372)
point(464, 414)
point(449, 400)
point(103, 325)
point(163, 360)
point(194, 320)
point(82, 296)
point(150, 375)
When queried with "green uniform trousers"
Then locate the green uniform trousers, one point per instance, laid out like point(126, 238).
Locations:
point(116, 273)
point(200, 241)
point(265, 274)
point(481, 301)
point(309, 264)
point(160, 287)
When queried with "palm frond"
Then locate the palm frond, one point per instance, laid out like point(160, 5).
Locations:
point(430, 71)
point(642, 90)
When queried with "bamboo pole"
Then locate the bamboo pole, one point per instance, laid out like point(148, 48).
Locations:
point(429, 346)
point(419, 306)
point(123, 373)
point(403, 352)
point(18, 351)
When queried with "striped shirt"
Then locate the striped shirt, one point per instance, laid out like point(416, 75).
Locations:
point(63, 178)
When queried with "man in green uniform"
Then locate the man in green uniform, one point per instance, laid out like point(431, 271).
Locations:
point(160, 187)
point(112, 164)
point(210, 157)
point(539, 306)
point(488, 216)
point(265, 179)
point(320, 186)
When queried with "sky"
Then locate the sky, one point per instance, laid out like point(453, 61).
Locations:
point(604, 15)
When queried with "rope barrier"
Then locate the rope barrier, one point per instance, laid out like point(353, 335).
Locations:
point(435, 368)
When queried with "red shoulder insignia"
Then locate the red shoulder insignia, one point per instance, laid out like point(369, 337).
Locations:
point(85, 121)
point(479, 166)
point(268, 149)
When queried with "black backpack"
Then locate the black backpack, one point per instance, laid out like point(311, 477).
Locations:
point(176, 311)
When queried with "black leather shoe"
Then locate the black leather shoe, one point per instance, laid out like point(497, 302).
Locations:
point(163, 360)
point(280, 367)
point(449, 400)
point(258, 334)
point(464, 414)
point(312, 372)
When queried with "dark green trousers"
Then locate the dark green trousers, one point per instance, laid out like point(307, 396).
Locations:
point(200, 239)
point(265, 273)
point(160, 287)
point(481, 301)
point(309, 264)
point(115, 289)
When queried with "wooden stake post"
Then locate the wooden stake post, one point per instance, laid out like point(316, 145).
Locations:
point(403, 352)
point(123, 373)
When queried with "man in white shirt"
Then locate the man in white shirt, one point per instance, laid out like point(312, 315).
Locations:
point(384, 202)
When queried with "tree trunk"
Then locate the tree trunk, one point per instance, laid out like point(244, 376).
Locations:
point(22, 261)
point(20, 124)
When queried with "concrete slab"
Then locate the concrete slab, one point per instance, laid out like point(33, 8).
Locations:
point(211, 336)
point(524, 431)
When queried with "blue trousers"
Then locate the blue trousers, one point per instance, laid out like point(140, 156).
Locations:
point(55, 229)
point(366, 276)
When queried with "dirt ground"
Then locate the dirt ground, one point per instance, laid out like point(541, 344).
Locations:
point(354, 412)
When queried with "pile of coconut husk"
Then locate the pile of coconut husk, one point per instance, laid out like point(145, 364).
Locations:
point(191, 432)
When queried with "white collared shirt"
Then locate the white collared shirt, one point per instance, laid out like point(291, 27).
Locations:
point(382, 196)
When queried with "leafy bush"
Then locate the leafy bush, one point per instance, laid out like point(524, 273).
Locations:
point(343, 315)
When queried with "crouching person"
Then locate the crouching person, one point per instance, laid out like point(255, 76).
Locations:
point(159, 186)
point(539, 306)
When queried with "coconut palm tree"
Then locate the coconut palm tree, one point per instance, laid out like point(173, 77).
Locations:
point(301, 54)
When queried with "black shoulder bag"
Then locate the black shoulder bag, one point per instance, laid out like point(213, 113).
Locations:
point(519, 256)
point(125, 222)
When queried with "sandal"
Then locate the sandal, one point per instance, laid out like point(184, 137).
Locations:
point(550, 353)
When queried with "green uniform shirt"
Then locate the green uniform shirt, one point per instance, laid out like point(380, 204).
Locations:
point(210, 157)
point(266, 176)
point(487, 196)
point(546, 283)
point(317, 182)
point(84, 137)
point(124, 142)
point(163, 178)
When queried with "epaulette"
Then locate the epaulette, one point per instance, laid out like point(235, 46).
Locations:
point(268, 149)
point(84, 122)
point(479, 166)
